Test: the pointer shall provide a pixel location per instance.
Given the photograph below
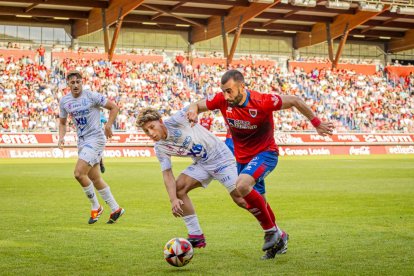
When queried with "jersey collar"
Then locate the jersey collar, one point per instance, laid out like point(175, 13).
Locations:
point(247, 99)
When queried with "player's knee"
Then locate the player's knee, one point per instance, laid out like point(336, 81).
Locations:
point(243, 188)
point(182, 190)
point(78, 175)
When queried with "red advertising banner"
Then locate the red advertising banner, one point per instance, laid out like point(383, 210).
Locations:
point(140, 139)
point(144, 152)
point(72, 152)
point(343, 150)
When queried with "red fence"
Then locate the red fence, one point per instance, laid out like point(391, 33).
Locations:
point(365, 69)
point(17, 53)
point(399, 71)
point(222, 61)
point(97, 56)
point(43, 145)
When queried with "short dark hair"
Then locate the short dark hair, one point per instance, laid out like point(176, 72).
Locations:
point(232, 74)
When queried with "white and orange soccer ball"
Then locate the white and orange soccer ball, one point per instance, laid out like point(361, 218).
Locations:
point(178, 252)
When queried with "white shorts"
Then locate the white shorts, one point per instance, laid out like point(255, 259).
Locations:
point(91, 153)
point(222, 169)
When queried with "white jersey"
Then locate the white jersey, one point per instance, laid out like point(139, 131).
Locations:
point(186, 141)
point(85, 112)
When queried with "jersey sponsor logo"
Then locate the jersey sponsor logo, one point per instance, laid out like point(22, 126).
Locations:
point(240, 124)
point(253, 112)
point(80, 113)
point(81, 122)
point(198, 150)
point(183, 148)
point(221, 168)
point(71, 106)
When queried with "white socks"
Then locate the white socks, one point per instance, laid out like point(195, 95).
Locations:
point(109, 198)
point(192, 224)
point(90, 193)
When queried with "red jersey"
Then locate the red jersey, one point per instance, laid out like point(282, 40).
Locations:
point(251, 124)
point(206, 122)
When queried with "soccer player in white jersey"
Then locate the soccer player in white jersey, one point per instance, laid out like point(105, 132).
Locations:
point(84, 108)
point(212, 160)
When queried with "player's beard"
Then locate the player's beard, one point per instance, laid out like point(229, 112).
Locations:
point(236, 100)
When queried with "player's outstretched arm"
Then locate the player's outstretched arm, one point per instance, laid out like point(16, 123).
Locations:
point(195, 109)
point(113, 112)
point(62, 132)
point(323, 128)
point(171, 186)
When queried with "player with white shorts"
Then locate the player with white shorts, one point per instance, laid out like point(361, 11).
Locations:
point(84, 108)
point(212, 160)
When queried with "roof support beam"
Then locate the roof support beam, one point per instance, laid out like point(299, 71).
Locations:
point(340, 47)
point(406, 43)
point(171, 9)
point(318, 35)
point(43, 12)
point(192, 22)
point(235, 41)
point(115, 37)
point(105, 31)
point(330, 43)
point(224, 37)
point(94, 22)
point(31, 7)
point(244, 3)
point(213, 27)
point(80, 3)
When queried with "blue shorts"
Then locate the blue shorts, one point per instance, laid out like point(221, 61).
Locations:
point(259, 167)
point(229, 143)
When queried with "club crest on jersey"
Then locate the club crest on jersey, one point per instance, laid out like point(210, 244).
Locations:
point(229, 109)
point(253, 112)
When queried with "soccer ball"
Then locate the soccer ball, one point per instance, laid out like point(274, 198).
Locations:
point(178, 252)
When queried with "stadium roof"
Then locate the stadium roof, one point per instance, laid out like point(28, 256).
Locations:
point(204, 19)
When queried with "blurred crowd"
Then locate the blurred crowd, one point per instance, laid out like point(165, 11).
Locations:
point(30, 93)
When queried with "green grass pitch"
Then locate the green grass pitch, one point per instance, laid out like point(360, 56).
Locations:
point(345, 216)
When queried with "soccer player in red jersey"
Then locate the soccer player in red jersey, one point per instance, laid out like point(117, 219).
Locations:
point(206, 121)
point(249, 116)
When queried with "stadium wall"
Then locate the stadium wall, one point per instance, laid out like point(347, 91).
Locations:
point(43, 145)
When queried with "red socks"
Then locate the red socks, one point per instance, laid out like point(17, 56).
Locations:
point(270, 211)
point(257, 206)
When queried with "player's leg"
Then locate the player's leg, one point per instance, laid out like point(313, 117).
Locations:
point(105, 191)
point(102, 166)
point(224, 170)
point(282, 245)
point(193, 177)
point(250, 174)
point(82, 169)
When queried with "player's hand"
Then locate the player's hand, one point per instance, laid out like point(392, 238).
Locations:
point(325, 128)
point(176, 207)
point(108, 131)
point(192, 117)
point(61, 143)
